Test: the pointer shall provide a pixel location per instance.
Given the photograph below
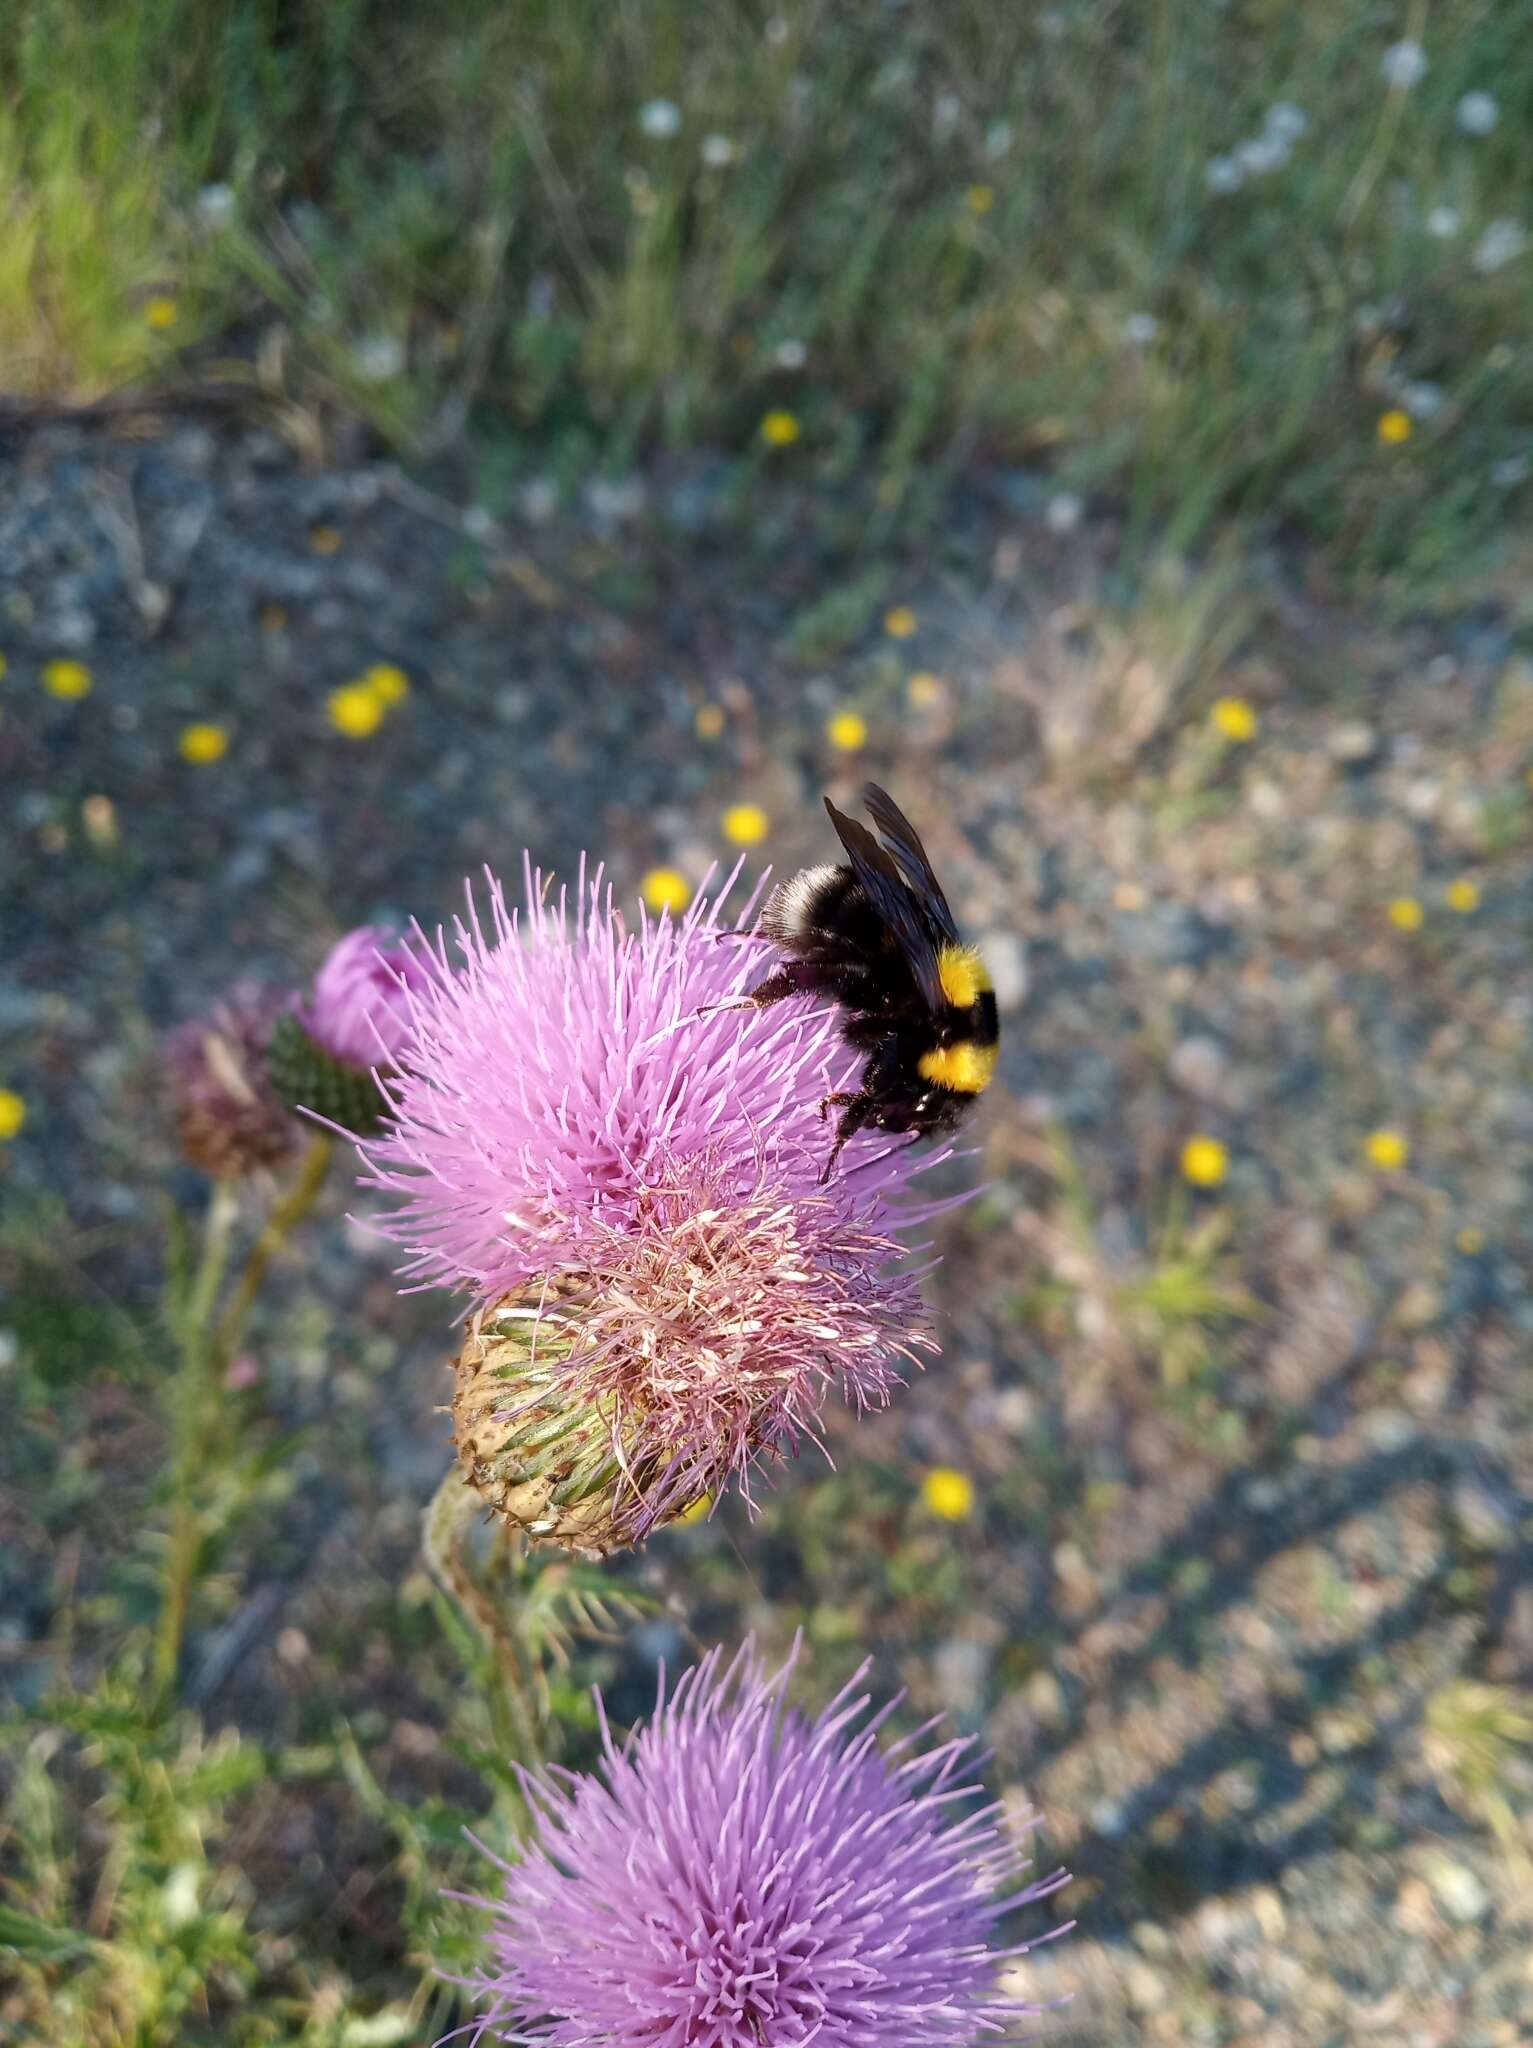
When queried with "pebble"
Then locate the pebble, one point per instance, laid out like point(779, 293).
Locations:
point(1461, 1894)
point(1200, 1066)
point(1484, 1517)
point(1005, 954)
point(1353, 742)
point(959, 1670)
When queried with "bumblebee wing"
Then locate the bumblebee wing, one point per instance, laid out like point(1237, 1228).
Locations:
point(894, 901)
point(904, 843)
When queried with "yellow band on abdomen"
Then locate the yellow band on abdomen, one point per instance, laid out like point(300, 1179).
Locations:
point(962, 975)
point(966, 1068)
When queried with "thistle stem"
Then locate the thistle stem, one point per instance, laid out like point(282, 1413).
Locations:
point(446, 1523)
point(291, 1210)
point(205, 1352)
point(190, 1399)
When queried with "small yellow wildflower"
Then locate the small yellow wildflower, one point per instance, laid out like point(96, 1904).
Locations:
point(924, 690)
point(1204, 1161)
point(847, 732)
point(203, 743)
point(780, 429)
point(1405, 914)
point(709, 722)
point(746, 824)
point(388, 682)
point(355, 710)
point(325, 540)
point(900, 622)
point(948, 1493)
point(13, 1113)
point(1235, 718)
point(1470, 1241)
point(67, 679)
point(1463, 895)
point(979, 199)
point(161, 312)
point(1394, 427)
point(1388, 1150)
point(665, 889)
point(698, 1509)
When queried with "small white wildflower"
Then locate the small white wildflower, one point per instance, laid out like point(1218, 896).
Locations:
point(1063, 512)
point(1511, 471)
point(998, 139)
point(1140, 329)
point(179, 1902)
point(1477, 113)
point(478, 522)
point(1444, 222)
point(1261, 154)
point(1422, 400)
point(777, 30)
point(1403, 64)
point(1502, 243)
point(719, 151)
point(215, 205)
point(947, 108)
point(540, 500)
point(1501, 357)
point(378, 358)
point(614, 501)
point(10, 1349)
point(660, 119)
point(1286, 121)
point(1223, 174)
point(790, 354)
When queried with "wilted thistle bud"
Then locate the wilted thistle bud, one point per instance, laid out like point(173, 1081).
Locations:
point(666, 1293)
point(548, 1465)
point(325, 1053)
point(228, 1118)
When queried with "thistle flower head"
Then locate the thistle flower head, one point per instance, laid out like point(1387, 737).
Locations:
point(359, 1008)
point(736, 1875)
point(228, 1118)
point(632, 1193)
point(324, 1053)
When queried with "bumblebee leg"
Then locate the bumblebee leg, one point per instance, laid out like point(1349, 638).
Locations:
point(837, 1101)
point(860, 1110)
point(789, 980)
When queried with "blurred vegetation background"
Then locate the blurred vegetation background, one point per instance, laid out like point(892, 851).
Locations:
point(609, 425)
point(1189, 254)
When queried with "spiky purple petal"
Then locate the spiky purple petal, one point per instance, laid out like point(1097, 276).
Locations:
point(736, 1875)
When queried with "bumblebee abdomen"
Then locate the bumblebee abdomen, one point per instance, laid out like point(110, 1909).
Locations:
point(964, 977)
point(963, 1068)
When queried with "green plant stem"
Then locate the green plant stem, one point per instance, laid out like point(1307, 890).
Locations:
point(205, 1352)
point(287, 1213)
point(189, 1394)
point(447, 1520)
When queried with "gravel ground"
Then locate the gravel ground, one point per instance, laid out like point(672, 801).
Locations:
point(1216, 1574)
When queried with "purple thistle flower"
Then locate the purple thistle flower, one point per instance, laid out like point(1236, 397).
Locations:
point(738, 1876)
point(228, 1119)
point(359, 1009)
point(632, 1193)
point(325, 1053)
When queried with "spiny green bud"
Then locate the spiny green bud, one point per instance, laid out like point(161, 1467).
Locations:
point(305, 1076)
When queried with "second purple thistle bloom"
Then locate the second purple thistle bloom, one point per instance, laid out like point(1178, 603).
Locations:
point(664, 1290)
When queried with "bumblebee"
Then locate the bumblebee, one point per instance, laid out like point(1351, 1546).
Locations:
point(876, 934)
